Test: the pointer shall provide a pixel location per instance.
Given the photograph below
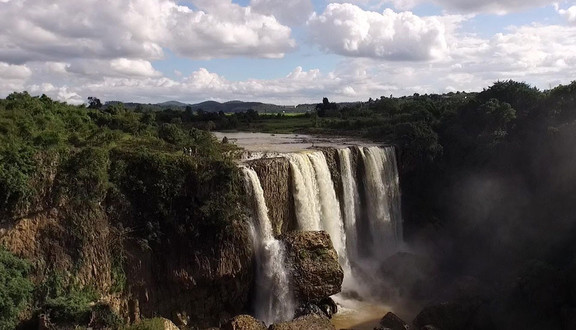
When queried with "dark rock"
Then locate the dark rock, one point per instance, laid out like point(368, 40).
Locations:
point(244, 322)
point(328, 306)
point(313, 263)
point(308, 322)
point(449, 316)
point(307, 309)
point(569, 318)
point(391, 321)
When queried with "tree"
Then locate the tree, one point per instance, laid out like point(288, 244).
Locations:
point(94, 103)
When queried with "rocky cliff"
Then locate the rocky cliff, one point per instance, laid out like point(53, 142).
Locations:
point(313, 263)
point(159, 240)
point(276, 181)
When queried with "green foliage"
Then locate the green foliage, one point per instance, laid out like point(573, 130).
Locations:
point(171, 133)
point(16, 167)
point(72, 307)
point(65, 302)
point(15, 288)
point(86, 175)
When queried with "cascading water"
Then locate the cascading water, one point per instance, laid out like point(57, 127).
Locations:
point(305, 192)
point(330, 215)
point(378, 201)
point(351, 201)
point(357, 204)
point(318, 207)
point(274, 301)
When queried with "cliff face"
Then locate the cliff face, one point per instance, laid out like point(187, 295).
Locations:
point(199, 281)
point(276, 180)
point(187, 256)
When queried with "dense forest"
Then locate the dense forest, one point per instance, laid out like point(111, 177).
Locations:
point(487, 184)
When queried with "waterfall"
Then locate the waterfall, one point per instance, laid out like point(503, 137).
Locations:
point(392, 184)
point(357, 204)
point(350, 202)
point(378, 201)
point(305, 192)
point(317, 207)
point(274, 301)
point(330, 215)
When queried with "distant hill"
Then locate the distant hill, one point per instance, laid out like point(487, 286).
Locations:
point(172, 104)
point(214, 106)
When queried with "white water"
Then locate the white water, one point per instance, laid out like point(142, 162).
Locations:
point(274, 300)
point(305, 192)
point(351, 202)
point(372, 223)
point(392, 183)
point(378, 204)
point(330, 209)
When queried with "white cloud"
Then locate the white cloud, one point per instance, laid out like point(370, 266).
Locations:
point(292, 12)
point(348, 30)
point(569, 14)
point(43, 30)
point(13, 77)
point(10, 72)
point(476, 6)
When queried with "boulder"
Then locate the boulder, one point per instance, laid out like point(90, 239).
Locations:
point(244, 322)
point(313, 264)
point(391, 321)
point(308, 322)
point(169, 325)
point(326, 307)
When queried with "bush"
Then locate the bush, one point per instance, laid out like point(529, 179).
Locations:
point(71, 307)
point(15, 288)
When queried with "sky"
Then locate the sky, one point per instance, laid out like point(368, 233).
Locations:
point(280, 51)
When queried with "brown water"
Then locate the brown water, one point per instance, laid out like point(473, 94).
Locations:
point(358, 315)
point(265, 142)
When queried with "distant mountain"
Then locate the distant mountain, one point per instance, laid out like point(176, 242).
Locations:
point(172, 104)
point(214, 106)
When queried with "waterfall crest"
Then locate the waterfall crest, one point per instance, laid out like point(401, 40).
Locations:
point(274, 301)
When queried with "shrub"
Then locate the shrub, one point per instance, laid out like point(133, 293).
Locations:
point(15, 288)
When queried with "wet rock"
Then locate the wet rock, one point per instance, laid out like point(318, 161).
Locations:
point(244, 322)
point(328, 306)
point(276, 181)
point(307, 309)
point(308, 322)
point(391, 321)
point(313, 263)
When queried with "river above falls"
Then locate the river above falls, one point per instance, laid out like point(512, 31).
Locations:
point(266, 142)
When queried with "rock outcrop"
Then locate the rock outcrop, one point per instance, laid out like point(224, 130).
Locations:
point(200, 282)
point(391, 321)
point(313, 263)
point(244, 322)
point(275, 178)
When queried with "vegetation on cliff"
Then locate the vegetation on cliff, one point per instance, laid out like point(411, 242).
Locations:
point(100, 185)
